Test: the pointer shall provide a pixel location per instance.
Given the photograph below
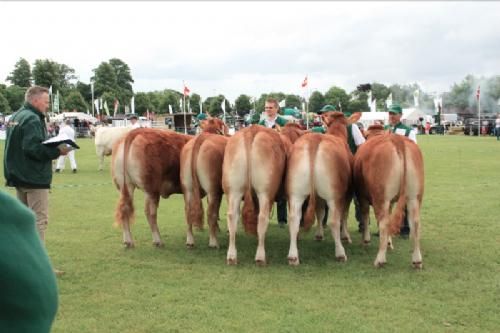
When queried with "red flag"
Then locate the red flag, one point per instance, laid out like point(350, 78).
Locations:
point(186, 90)
point(304, 84)
point(478, 93)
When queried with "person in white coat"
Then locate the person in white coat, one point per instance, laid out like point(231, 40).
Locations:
point(70, 132)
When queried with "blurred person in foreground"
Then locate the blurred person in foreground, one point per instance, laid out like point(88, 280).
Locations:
point(27, 161)
point(29, 290)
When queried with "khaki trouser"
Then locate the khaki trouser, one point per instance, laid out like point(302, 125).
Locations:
point(38, 201)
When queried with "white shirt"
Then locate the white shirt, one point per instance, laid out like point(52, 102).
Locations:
point(359, 139)
point(68, 130)
point(270, 122)
point(136, 125)
point(412, 136)
point(497, 123)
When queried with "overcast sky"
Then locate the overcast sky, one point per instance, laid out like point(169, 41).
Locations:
point(232, 48)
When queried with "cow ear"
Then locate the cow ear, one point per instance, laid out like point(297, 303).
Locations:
point(354, 117)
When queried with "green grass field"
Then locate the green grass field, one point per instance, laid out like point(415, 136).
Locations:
point(174, 289)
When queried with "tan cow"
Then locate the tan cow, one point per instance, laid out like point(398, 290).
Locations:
point(253, 169)
point(320, 167)
point(105, 139)
point(389, 169)
point(201, 173)
point(148, 159)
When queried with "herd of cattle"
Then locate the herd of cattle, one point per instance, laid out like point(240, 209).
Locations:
point(259, 165)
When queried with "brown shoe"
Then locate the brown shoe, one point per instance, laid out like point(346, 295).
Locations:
point(58, 272)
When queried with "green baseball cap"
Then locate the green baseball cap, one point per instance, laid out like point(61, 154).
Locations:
point(395, 108)
point(201, 116)
point(326, 108)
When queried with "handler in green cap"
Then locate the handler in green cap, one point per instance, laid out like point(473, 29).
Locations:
point(201, 116)
point(397, 127)
point(395, 124)
point(321, 128)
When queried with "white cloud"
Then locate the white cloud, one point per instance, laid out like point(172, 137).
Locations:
point(255, 47)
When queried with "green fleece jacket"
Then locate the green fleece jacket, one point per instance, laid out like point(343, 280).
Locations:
point(28, 301)
point(27, 162)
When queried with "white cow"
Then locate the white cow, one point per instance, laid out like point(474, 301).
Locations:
point(105, 138)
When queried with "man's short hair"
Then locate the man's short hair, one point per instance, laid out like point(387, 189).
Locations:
point(273, 101)
point(34, 92)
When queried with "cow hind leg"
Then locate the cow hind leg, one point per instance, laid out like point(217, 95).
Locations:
point(382, 213)
point(125, 213)
point(294, 216)
point(214, 201)
point(365, 215)
point(414, 220)
point(189, 232)
point(336, 213)
point(233, 213)
point(343, 226)
point(264, 210)
point(151, 210)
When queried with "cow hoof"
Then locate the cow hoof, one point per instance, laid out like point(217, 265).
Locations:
point(189, 246)
point(379, 264)
point(417, 265)
point(213, 246)
point(366, 242)
point(158, 245)
point(293, 261)
point(231, 262)
point(129, 245)
point(260, 263)
point(318, 238)
point(341, 258)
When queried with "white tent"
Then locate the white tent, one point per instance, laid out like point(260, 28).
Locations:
point(369, 118)
point(80, 115)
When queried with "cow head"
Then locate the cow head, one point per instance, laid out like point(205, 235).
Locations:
point(374, 130)
point(215, 126)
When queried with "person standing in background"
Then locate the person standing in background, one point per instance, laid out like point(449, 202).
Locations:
point(70, 132)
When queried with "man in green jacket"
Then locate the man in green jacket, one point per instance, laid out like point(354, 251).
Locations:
point(397, 127)
point(27, 161)
point(28, 301)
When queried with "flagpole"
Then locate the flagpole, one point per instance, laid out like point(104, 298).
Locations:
point(479, 112)
point(92, 89)
point(184, 108)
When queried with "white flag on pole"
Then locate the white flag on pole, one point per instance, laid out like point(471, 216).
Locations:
point(180, 104)
point(132, 104)
point(201, 106)
point(106, 108)
point(170, 109)
point(96, 104)
point(223, 106)
point(388, 101)
point(281, 104)
point(50, 90)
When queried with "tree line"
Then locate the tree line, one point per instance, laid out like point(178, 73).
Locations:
point(113, 81)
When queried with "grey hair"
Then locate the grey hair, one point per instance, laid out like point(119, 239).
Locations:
point(34, 92)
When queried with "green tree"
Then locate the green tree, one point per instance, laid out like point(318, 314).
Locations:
point(50, 73)
point(194, 102)
point(21, 75)
point(4, 105)
point(85, 91)
point(316, 101)
point(380, 92)
point(75, 101)
point(143, 103)
point(15, 96)
point(123, 78)
point(337, 97)
point(243, 105)
point(104, 79)
point(293, 101)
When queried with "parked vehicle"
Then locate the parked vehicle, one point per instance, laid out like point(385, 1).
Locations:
point(487, 126)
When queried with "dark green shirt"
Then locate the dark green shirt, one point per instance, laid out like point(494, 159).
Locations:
point(28, 289)
point(279, 121)
point(27, 162)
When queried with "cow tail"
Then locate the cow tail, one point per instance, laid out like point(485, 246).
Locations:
point(311, 207)
point(249, 210)
point(125, 207)
point(397, 216)
point(195, 211)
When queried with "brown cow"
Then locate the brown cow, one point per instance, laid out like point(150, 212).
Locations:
point(148, 159)
point(389, 169)
point(201, 173)
point(320, 166)
point(253, 168)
